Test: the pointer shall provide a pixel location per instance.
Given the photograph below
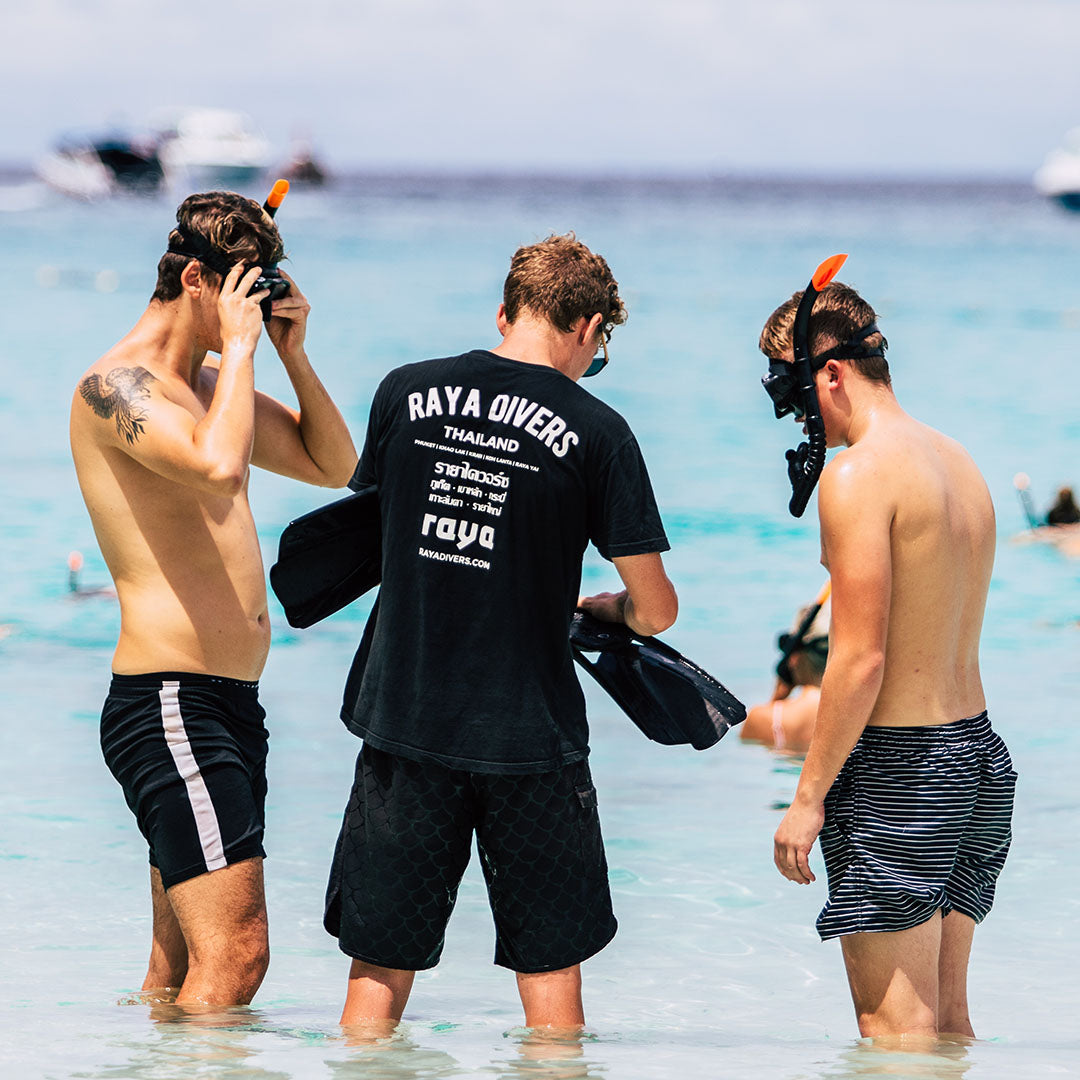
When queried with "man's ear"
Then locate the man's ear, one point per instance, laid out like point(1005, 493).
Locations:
point(502, 323)
point(587, 328)
point(834, 373)
point(191, 278)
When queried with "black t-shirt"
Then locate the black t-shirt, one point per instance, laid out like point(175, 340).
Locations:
point(493, 476)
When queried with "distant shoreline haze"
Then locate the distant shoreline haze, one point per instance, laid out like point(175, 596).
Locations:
point(465, 177)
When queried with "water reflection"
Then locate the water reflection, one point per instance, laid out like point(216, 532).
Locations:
point(384, 1050)
point(193, 1041)
point(549, 1054)
point(908, 1057)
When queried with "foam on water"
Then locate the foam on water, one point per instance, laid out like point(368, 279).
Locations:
point(716, 969)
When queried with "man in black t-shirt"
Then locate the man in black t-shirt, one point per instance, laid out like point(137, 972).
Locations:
point(495, 469)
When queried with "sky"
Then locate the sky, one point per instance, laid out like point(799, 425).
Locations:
point(877, 87)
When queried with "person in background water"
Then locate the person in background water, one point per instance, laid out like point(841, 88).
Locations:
point(786, 721)
point(495, 470)
point(908, 786)
point(1064, 511)
point(162, 441)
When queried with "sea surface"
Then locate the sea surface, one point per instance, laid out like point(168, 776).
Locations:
point(716, 970)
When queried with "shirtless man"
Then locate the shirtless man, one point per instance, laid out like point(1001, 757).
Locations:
point(162, 443)
point(908, 786)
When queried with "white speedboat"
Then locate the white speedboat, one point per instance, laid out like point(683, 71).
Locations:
point(214, 147)
point(1059, 176)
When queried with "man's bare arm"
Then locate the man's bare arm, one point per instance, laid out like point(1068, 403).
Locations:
point(648, 604)
point(210, 454)
point(856, 520)
point(313, 443)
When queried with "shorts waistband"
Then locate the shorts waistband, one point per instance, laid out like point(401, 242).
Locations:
point(153, 680)
point(971, 727)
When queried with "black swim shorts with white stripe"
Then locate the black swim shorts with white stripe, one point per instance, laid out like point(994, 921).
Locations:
point(918, 821)
point(406, 840)
point(189, 750)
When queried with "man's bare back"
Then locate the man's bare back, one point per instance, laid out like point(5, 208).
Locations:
point(905, 781)
point(942, 539)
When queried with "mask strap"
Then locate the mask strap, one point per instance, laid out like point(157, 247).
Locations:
point(853, 349)
point(198, 247)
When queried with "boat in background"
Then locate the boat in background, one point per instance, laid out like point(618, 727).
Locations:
point(98, 168)
point(208, 148)
point(302, 167)
point(1059, 176)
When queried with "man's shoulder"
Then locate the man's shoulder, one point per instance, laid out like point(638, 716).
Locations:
point(419, 370)
point(857, 480)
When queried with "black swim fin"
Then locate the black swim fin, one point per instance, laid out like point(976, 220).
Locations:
point(669, 697)
point(328, 558)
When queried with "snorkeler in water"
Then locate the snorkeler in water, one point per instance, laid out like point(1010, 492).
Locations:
point(786, 722)
point(1064, 511)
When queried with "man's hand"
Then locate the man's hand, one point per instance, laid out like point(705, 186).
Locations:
point(795, 838)
point(606, 606)
point(288, 322)
point(239, 314)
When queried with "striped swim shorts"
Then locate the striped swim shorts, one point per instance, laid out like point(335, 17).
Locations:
point(189, 750)
point(918, 821)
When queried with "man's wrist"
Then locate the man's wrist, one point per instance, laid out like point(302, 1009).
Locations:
point(806, 799)
point(295, 357)
point(237, 348)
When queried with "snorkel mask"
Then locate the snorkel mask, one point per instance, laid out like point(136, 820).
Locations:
point(195, 246)
point(799, 641)
point(791, 386)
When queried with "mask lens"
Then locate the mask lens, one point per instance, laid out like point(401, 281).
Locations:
point(781, 386)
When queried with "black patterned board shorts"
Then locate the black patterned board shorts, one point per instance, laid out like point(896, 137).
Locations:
point(406, 840)
point(918, 821)
point(189, 750)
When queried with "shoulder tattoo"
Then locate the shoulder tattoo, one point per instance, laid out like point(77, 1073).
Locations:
point(128, 390)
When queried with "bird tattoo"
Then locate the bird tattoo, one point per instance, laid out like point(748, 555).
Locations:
point(129, 387)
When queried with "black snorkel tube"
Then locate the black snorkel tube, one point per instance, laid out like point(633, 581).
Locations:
point(808, 459)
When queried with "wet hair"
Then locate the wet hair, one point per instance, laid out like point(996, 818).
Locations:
point(236, 226)
point(1064, 511)
point(839, 314)
point(561, 280)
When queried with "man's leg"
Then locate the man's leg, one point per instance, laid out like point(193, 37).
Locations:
point(222, 916)
point(956, 933)
point(894, 979)
point(552, 998)
point(376, 993)
point(168, 953)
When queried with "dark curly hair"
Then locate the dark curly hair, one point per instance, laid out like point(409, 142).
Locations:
point(236, 226)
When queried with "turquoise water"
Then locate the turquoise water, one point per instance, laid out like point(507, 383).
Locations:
point(716, 969)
